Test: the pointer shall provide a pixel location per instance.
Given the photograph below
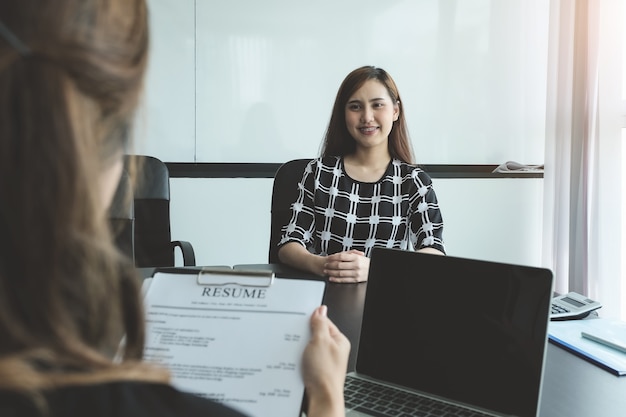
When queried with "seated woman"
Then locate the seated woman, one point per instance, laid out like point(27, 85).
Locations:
point(364, 191)
point(70, 76)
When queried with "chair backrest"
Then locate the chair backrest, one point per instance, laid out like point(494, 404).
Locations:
point(122, 217)
point(284, 194)
point(153, 245)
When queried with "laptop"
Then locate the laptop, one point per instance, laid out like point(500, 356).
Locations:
point(465, 335)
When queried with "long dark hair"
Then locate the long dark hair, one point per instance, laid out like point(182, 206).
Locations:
point(69, 86)
point(339, 142)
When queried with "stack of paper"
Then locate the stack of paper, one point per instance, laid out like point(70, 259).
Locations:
point(515, 167)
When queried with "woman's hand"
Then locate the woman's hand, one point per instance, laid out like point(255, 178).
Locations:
point(324, 366)
point(349, 266)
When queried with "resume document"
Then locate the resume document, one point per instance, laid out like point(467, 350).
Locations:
point(239, 343)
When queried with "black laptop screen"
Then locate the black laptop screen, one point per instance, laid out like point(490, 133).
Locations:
point(465, 329)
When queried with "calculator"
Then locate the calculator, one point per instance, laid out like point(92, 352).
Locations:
point(572, 306)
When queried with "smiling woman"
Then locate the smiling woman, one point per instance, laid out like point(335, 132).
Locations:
point(364, 191)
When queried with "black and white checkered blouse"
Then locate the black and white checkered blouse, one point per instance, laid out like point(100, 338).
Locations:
point(334, 213)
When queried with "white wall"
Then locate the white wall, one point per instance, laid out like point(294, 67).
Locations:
point(228, 220)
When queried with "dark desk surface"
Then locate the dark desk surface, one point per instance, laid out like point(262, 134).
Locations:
point(572, 387)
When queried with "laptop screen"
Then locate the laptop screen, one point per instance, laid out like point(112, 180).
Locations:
point(473, 331)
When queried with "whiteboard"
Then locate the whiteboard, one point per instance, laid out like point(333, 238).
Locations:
point(255, 81)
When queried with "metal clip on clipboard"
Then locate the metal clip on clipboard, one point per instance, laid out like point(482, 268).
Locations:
point(220, 277)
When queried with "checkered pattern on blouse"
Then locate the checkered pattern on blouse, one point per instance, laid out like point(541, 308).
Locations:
point(334, 213)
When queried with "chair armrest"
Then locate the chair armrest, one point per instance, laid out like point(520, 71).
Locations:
point(189, 257)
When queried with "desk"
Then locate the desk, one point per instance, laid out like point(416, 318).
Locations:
point(572, 387)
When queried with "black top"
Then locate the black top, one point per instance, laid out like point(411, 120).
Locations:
point(334, 212)
point(115, 399)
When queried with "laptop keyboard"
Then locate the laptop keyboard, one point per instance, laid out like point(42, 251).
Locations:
point(383, 401)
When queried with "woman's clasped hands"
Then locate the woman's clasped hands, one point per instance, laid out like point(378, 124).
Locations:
point(348, 266)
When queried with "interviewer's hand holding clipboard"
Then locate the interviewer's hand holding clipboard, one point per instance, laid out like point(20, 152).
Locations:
point(324, 361)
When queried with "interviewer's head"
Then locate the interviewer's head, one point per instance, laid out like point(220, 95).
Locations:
point(71, 73)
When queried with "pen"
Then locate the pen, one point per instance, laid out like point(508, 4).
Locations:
point(604, 341)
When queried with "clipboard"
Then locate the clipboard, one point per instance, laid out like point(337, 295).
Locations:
point(235, 336)
point(250, 278)
point(218, 276)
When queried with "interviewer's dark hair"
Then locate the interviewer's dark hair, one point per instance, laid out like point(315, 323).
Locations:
point(339, 142)
point(66, 103)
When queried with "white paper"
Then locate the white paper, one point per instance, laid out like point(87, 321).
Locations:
point(516, 167)
point(241, 346)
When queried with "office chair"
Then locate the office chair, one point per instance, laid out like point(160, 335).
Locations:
point(284, 194)
point(122, 217)
point(151, 198)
